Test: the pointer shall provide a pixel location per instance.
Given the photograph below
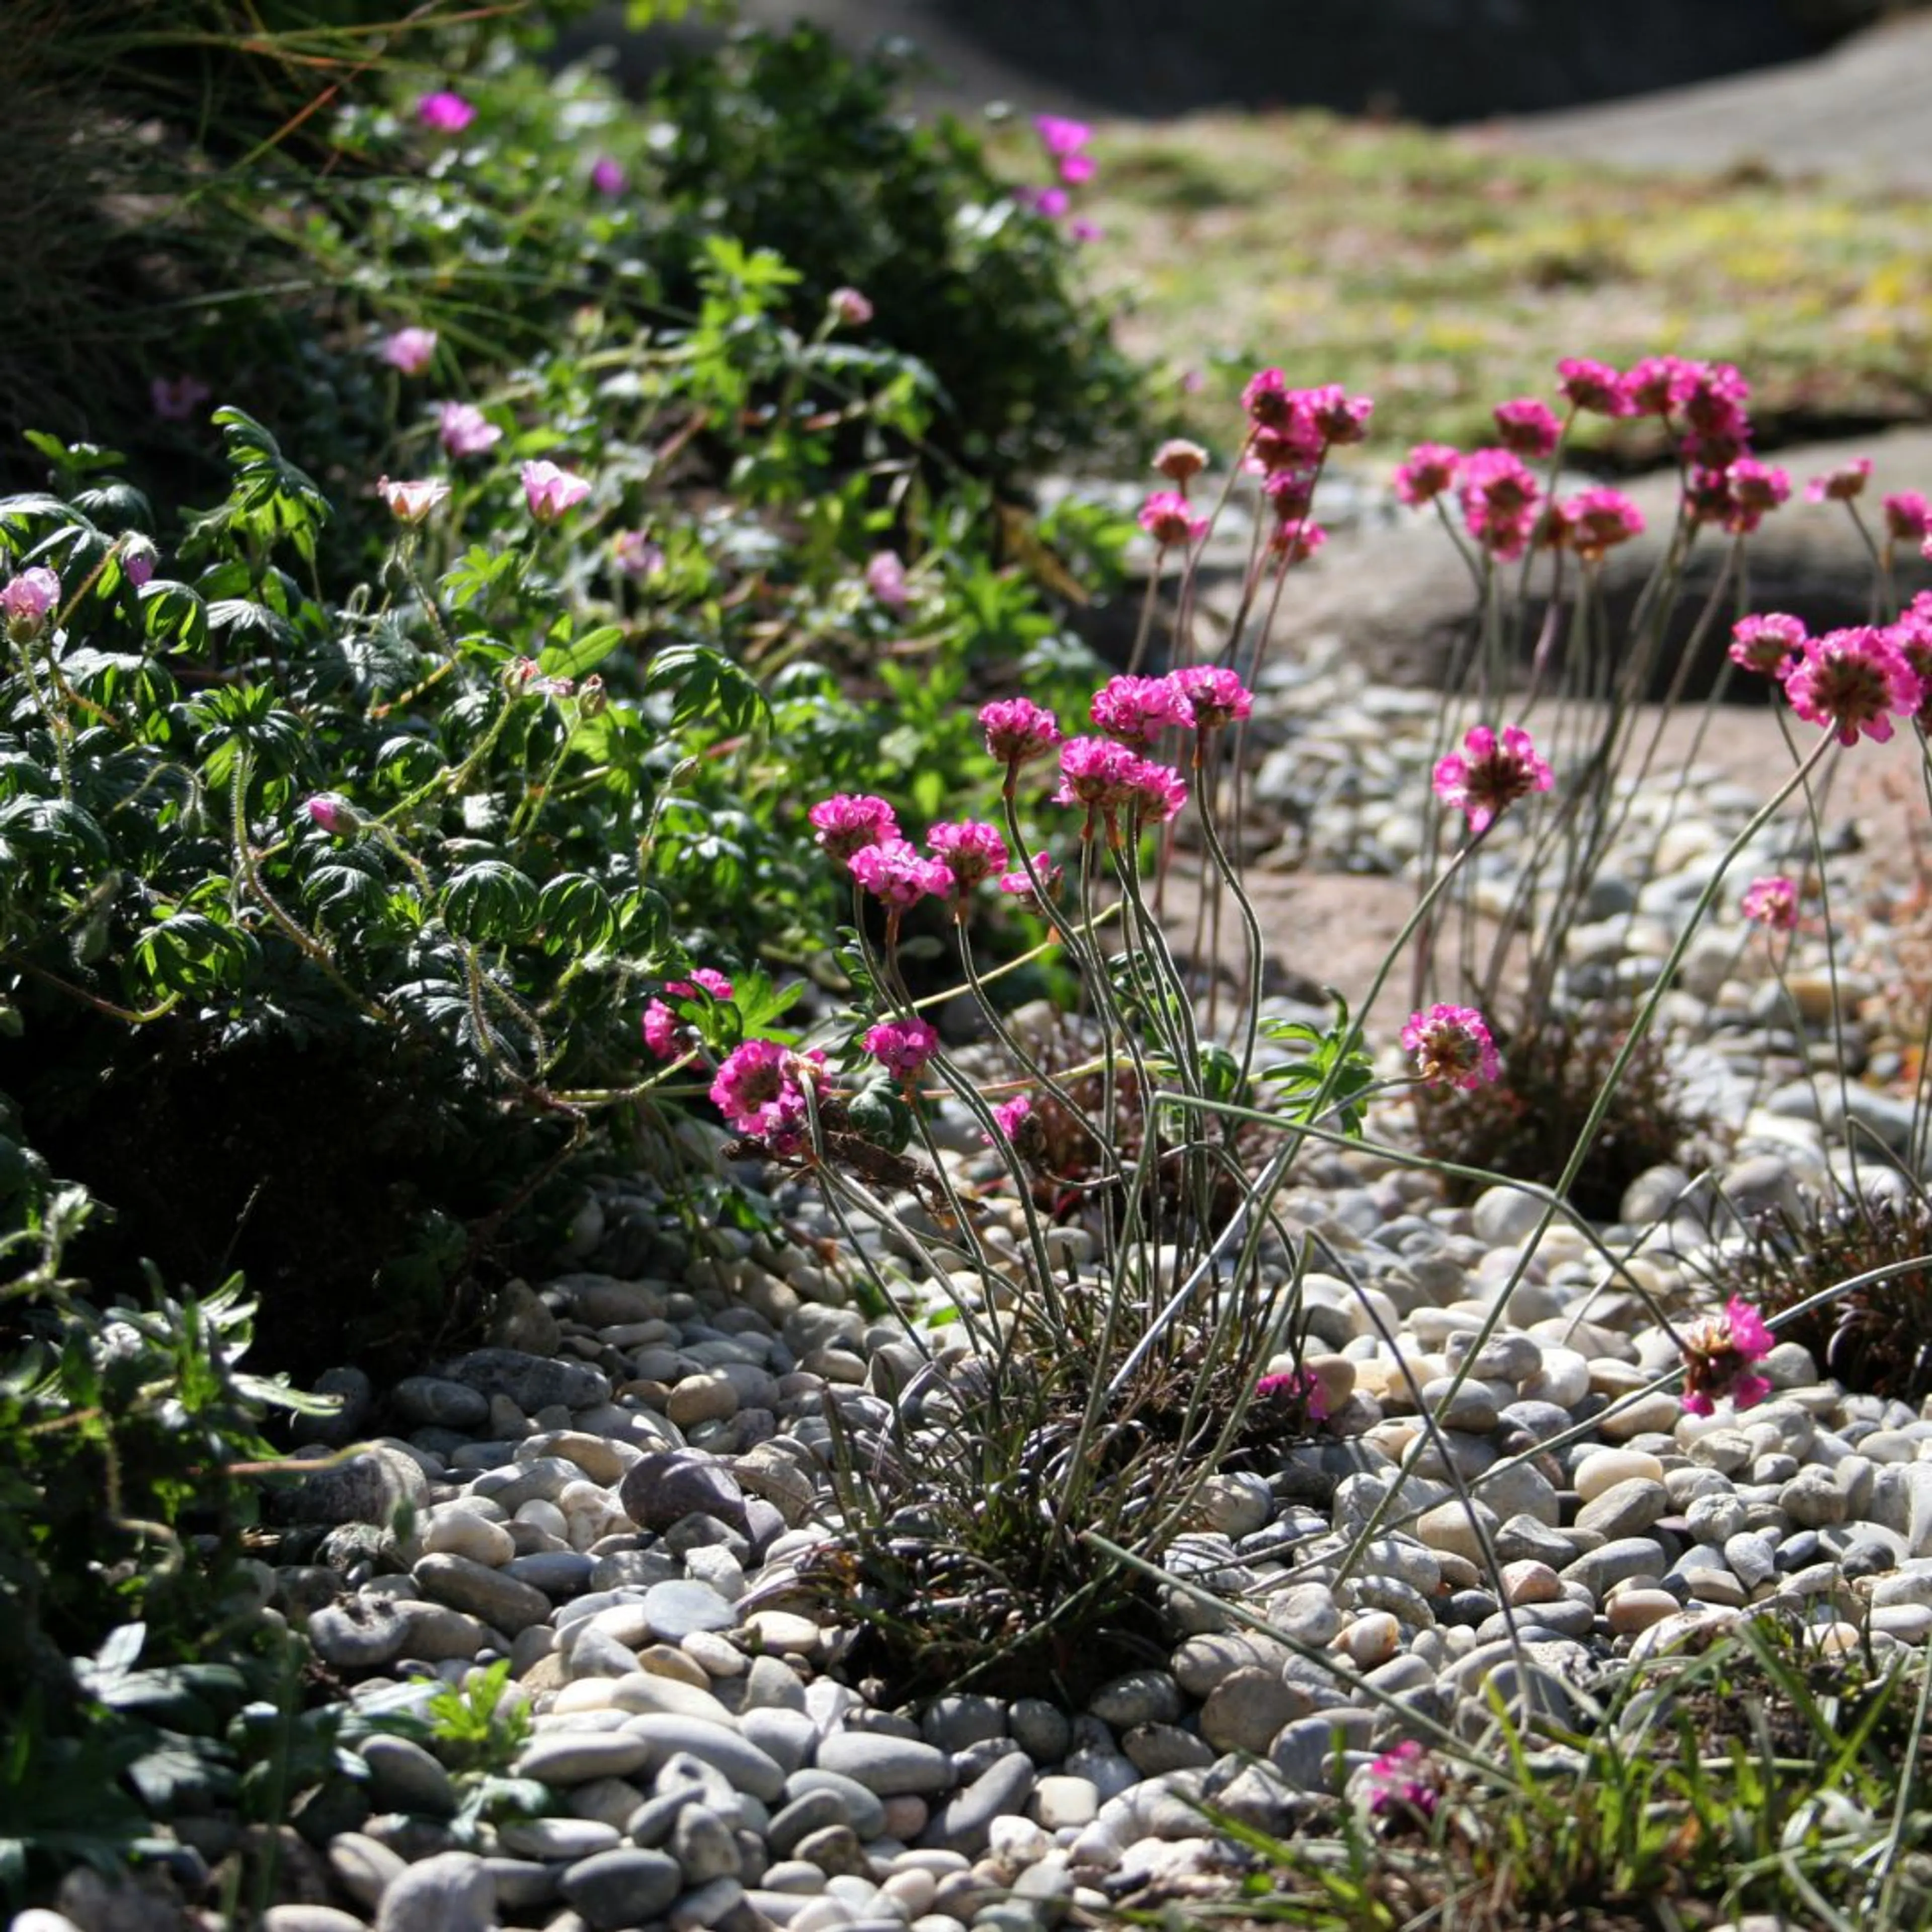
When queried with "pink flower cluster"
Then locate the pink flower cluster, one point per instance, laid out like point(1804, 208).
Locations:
point(1403, 1780)
point(1168, 517)
point(902, 1047)
point(1771, 902)
point(1295, 1386)
point(665, 1033)
point(1291, 428)
point(759, 1090)
point(1064, 142)
point(1452, 1044)
point(445, 113)
point(1490, 773)
point(1717, 1357)
point(1853, 681)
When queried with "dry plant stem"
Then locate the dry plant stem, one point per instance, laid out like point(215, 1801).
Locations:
point(1599, 1107)
point(1250, 926)
point(1144, 631)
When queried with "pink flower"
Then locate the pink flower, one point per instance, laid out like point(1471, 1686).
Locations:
point(1291, 493)
point(1295, 1385)
point(1166, 518)
point(1018, 886)
point(1404, 1779)
point(1010, 1114)
point(1452, 1044)
point(549, 492)
point(1083, 230)
point(665, 1034)
point(1594, 386)
point(411, 350)
point(1060, 136)
point(333, 813)
point(1096, 773)
point(1490, 774)
point(138, 559)
point(1431, 469)
point(1913, 634)
point(1215, 696)
point(1050, 201)
point(847, 822)
point(1018, 730)
point(1137, 710)
point(1853, 681)
point(972, 849)
point(851, 306)
point(177, 398)
point(713, 982)
point(636, 555)
point(464, 430)
point(758, 1090)
point(1338, 417)
point(1268, 400)
point(1599, 519)
point(1767, 643)
point(1075, 169)
point(1179, 460)
point(448, 113)
point(1528, 426)
point(902, 1047)
point(1841, 484)
point(606, 175)
point(1660, 386)
point(1771, 902)
point(1499, 497)
point(1756, 489)
point(886, 578)
point(412, 503)
point(1908, 516)
point(1296, 543)
point(27, 601)
point(1714, 407)
point(1717, 1355)
point(1155, 793)
point(896, 875)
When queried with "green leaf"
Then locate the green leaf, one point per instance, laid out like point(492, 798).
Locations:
point(575, 660)
point(490, 900)
point(705, 683)
point(574, 910)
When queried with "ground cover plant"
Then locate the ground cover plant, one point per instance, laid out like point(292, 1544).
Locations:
point(523, 765)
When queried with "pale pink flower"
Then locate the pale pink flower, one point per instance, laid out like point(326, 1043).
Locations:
point(1018, 731)
point(606, 175)
point(1527, 425)
point(635, 554)
point(1771, 902)
point(1018, 886)
point(847, 822)
point(886, 578)
point(1137, 710)
point(549, 492)
point(175, 398)
point(1767, 643)
point(853, 307)
point(446, 112)
point(1841, 484)
point(1300, 1386)
point(1908, 516)
point(1593, 386)
point(1215, 696)
point(463, 430)
point(897, 875)
point(1490, 773)
point(1167, 518)
point(1853, 681)
point(27, 601)
point(1718, 1353)
point(412, 503)
point(1179, 460)
point(1599, 519)
point(902, 1047)
point(333, 813)
point(410, 350)
point(1452, 1044)
point(973, 850)
point(1431, 469)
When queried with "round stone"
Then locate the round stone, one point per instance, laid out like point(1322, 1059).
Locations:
point(673, 1610)
point(1603, 1469)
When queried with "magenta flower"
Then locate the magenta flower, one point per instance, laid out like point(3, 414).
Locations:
point(1295, 1385)
point(1060, 136)
point(1136, 710)
point(445, 113)
point(1052, 202)
point(1215, 696)
point(971, 850)
point(847, 822)
point(1296, 543)
point(176, 398)
point(1908, 516)
point(635, 554)
point(897, 875)
point(1853, 681)
point(1018, 887)
point(1452, 1044)
point(902, 1047)
point(138, 559)
point(758, 1090)
point(1714, 407)
point(1769, 643)
point(1431, 469)
point(851, 306)
point(1528, 426)
point(333, 813)
point(410, 350)
point(1490, 774)
point(606, 175)
point(1096, 773)
point(1771, 902)
point(1337, 418)
point(1166, 518)
point(27, 601)
point(886, 578)
point(1075, 170)
point(1291, 493)
point(1155, 793)
point(549, 492)
point(1660, 386)
point(1717, 1355)
point(1010, 1114)
point(665, 1034)
point(1081, 229)
point(1179, 460)
point(1594, 386)
point(1841, 484)
point(1018, 731)
point(1912, 635)
point(1599, 519)
point(1404, 1779)
point(1268, 400)
point(463, 430)
point(1755, 490)
point(1499, 498)
point(412, 503)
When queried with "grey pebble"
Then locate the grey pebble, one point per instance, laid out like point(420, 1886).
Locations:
point(450, 1892)
point(628, 1886)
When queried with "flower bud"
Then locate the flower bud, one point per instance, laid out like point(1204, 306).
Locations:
point(27, 601)
point(334, 813)
point(138, 559)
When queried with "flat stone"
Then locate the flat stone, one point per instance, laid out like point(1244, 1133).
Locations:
point(451, 1892)
point(1248, 1707)
point(563, 1758)
point(666, 1486)
point(862, 1809)
point(364, 1867)
point(406, 1777)
point(1603, 1469)
point(628, 1886)
point(1626, 1508)
point(556, 1840)
point(747, 1767)
point(1138, 1697)
point(886, 1765)
point(674, 1610)
point(500, 1600)
point(532, 1382)
point(962, 1824)
point(360, 1632)
point(368, 1487)
point(462, 1532)
point(438, 1402)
